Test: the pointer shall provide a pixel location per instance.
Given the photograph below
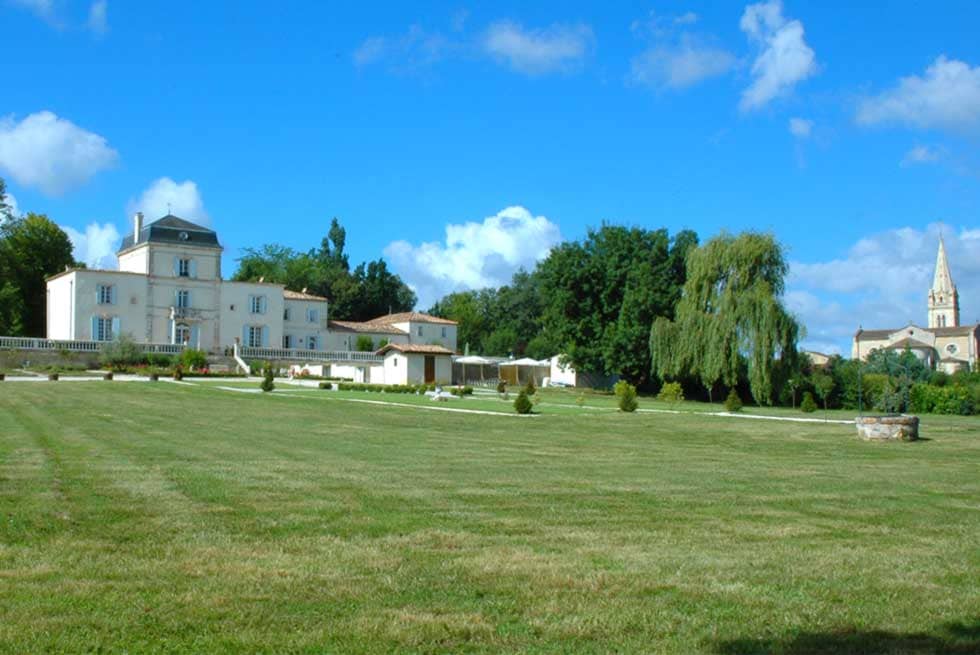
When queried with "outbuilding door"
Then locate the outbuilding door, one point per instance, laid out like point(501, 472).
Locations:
point(430, 369)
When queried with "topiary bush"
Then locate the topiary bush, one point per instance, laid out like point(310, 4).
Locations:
point(625, 396)
point(522, 404)
point(732, 402)
point(809, 404)
point(267, 383)
point(671, 393)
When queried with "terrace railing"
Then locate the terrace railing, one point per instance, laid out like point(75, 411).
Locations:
point(299, 354)
point(27, 343)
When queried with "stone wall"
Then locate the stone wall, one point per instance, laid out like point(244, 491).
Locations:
point(888, 428)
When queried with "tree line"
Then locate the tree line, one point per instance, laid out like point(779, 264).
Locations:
point(32, 248)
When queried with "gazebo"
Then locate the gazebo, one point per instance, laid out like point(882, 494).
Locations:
point(472, 360)
point(531, 368)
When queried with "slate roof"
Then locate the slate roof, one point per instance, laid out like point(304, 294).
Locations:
point(413, 317)
point(173, 229)
point(420, 348)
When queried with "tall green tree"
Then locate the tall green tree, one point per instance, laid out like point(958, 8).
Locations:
point(5, 208)
point(730, 316)
point(32, 247)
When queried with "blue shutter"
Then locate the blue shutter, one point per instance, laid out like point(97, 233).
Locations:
point(115, 327)
point(189, 303)
point(95, 328)
point(194, 268)
point(112, 294)
point(195, 336)
point(176, 266)
point(265, 336)
point(245, 336)
point(262, 304)
point(251, 304)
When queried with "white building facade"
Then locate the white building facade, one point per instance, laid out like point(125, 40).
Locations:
point(168, 289)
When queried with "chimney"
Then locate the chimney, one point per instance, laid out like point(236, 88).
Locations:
point(137, 227)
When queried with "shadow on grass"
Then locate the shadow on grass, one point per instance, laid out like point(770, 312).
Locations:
point(958, 638)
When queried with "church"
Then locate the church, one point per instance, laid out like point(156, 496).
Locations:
point(944, 345)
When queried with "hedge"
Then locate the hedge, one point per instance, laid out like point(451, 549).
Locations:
point(395, 388)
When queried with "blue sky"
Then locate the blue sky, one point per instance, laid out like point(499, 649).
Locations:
point(461, 140)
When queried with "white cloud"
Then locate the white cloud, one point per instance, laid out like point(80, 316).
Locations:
point(946, 97)
point(474, 255)
point(882, 282)
point(921, 155)
point(680, 65)
point(784, 58)
point(51, 153)
point(164, 196)
point(44, 9)
point(411, 52)
point(686, 19)
point(98, 19)
point(558, 48)
point(801, 128)
point(97, 246)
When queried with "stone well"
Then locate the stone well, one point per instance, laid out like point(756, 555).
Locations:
point(888, 428)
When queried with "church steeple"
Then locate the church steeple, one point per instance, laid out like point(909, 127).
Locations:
point(944, 301)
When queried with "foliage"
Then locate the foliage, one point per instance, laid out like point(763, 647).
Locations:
point(823, 384)
point(160, 359)
point(121, 352)
point(895, 364)
point(625, 396)
point(194, 359)
point(529, 387)
point(267, 380)
point(178, 373)
point(522, 404)
point(364, 343)
point(32, 247)
point(950, 399)
point(809, 405)
point(501, 387)
point(732, 402)
point(370, 290)
point(730, 316)
point(671, 393)
point(5, 208)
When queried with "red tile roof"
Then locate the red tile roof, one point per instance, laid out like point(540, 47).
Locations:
point(413, 317)
point(364, 328)
point(299, 295)
point(420, 348)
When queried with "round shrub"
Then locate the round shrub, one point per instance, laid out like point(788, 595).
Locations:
point(178, 373)
point(625, 396)
point(671, 393)
point(733, 403)
point(267, 383)
point(107, 375)
point(53, 377)
point(154, 377)
point(501, 387)
point(522, 404)
point(809, 405)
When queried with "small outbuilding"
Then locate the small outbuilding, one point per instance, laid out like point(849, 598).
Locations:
point(416, 363)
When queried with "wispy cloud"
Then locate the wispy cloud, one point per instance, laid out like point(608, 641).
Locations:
point(98, 17)
point(784, 59)
point(946, 97)
point(801, 128)
point(557, 48)
point(921, 155)
point(676, 58)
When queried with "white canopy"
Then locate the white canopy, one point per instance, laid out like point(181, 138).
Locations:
point(473, 359)
point(526, 361)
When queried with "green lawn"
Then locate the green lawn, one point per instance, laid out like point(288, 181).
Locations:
point(142, 517)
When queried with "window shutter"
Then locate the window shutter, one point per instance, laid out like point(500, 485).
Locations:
point(95, 328)
point(98, 294)
point(194, 268)
point(189, 303)
point(245, 336)
point(112, 294)
point(262, 304)
point(115, 327)
point(195, 336)
point(176, 266)
point(265, 336)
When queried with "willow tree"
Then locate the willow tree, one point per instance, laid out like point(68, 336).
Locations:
point(730, 315)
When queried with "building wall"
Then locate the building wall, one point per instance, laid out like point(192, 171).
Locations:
point(300, 329)
point(343, 340)
point(563, 374)
point(158, 259)
point(431, 333)
point(129, 308)
point(236, 312)
point(61, 306)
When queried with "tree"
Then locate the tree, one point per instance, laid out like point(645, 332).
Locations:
point(522, 404)
point(823, 384)
point(6, 211)
point(625, 396)
point(364, 343)
point(730, 317)
point(32, 247)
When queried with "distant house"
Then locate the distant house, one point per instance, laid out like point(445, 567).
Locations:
point(168, 289)
point(945, 344)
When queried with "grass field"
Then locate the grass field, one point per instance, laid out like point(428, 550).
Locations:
point(139, 517)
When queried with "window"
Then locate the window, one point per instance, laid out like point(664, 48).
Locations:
point(285, 315)
point(311, 343)
point(312, 316)
point(951, 349)
point(254, 336)
point(443, 333)
point(183, 268)
point(106, 294)
point(394, 362)
point(182, 333)
point(103, 329)
point(256, 304)
point(183, 300)
point(287, 341)
point(419, 331)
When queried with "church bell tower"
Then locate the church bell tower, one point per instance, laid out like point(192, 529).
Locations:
point(944, 301)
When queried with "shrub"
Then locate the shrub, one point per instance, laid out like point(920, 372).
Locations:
point(930, 399)
point(161, 360)
point(2, 377)
point(121, 352)
point(461, 391)
point(178, 373)
point(522, 404)
point(53, 377)
point(267, 383)
point(671, 393)
point(364, 343)
point(501, 387)
point(154, 377)
point(580, 400)
point(107, 375)
point(625, 396)
point(530, 388)
point(809, 405)
point(732, 402)
point(193, 359)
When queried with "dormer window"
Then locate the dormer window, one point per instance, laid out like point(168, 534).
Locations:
point(419, 331)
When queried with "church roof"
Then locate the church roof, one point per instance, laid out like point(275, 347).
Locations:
point(942, 280)
point(173, 229)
